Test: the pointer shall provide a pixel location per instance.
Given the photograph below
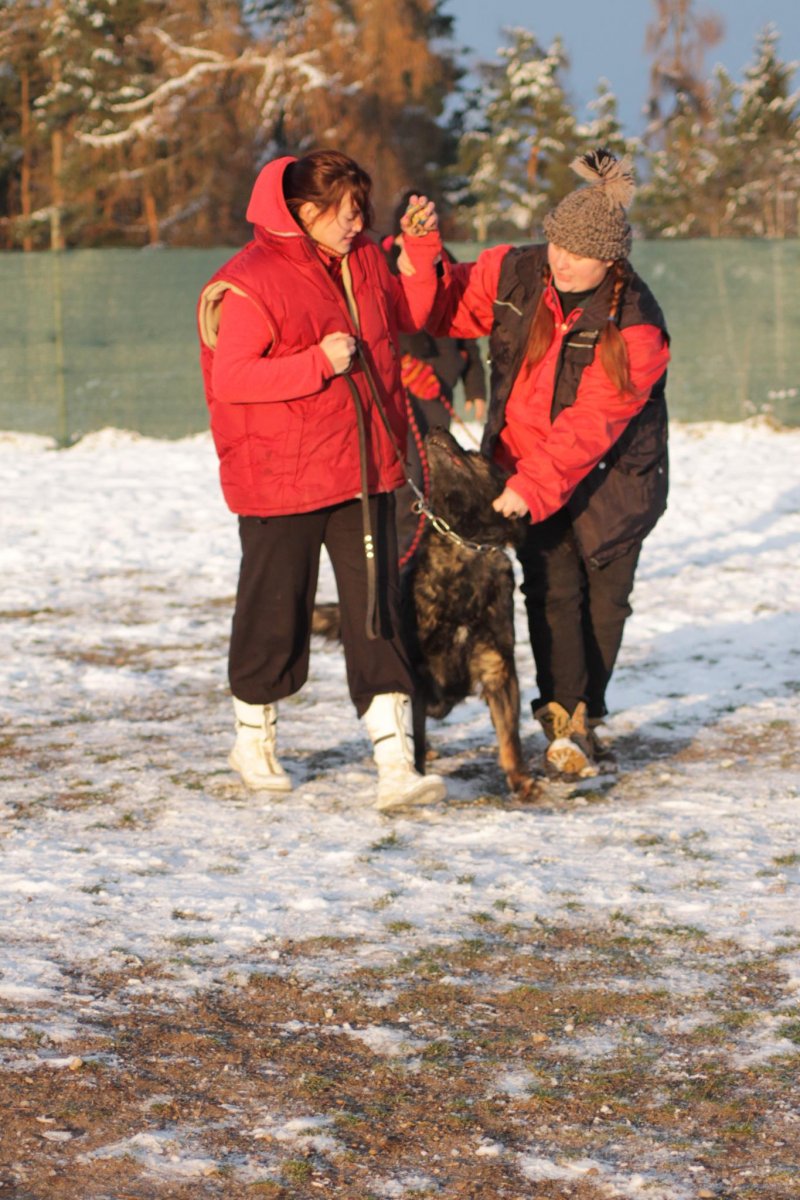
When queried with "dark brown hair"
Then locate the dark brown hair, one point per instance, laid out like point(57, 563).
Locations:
point(611, 346)
point(324, 178)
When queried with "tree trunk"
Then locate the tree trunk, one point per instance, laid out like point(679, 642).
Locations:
point(151, 217)
point(57, 152)
point(26, 207)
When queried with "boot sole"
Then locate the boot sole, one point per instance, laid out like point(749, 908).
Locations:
point(279, 787)
point(563, 757)
point(425, 792)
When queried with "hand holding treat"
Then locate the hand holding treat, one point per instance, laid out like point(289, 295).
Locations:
point(420, 217)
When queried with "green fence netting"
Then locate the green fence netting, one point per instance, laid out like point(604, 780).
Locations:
point(95, 338)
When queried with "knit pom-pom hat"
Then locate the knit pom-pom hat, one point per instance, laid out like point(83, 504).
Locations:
point(591, 221)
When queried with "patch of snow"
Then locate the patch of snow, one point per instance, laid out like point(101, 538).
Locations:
point(125, 839)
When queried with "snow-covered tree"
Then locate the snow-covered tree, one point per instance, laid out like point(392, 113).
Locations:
point(602, 128)
point(734, 170)
point(687, 190)
point(85, 54)
point(765, 203)
point(22, 77)
point(520, 138)
point(146, 118)
point(172, 132)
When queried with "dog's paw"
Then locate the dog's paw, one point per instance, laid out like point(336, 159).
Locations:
point(525, 789)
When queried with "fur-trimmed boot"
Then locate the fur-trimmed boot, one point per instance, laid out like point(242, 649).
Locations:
point(254, 754)
point(400, 785)
point(569, 745)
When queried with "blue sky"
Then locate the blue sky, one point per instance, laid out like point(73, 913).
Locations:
point(606, 38)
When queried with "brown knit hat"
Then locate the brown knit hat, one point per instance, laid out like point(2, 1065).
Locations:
point(591, 221)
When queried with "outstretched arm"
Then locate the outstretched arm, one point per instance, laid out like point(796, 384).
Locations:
point(465, 296)
point(415, 286)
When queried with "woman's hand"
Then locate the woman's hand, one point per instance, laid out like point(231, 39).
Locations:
point(420, 217)
point(339, 349)
point(510, 504)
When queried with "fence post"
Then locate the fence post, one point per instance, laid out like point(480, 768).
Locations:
point(56, 244)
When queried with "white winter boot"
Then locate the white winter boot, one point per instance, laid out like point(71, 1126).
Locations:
point(400, 785)
point(254, 753)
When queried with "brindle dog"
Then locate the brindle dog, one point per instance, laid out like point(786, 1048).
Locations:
point(458, 603)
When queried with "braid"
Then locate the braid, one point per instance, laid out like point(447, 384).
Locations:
point(621, 277)
point(611, 346)
point(612, 349)
point(542, 326)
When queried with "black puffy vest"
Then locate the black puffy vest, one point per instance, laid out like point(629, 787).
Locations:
point(622, 498)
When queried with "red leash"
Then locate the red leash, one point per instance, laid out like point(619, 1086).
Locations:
point(426, 481)
point(426, 473)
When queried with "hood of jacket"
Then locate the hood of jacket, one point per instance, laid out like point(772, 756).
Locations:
point(267, 209)
point(274, 224)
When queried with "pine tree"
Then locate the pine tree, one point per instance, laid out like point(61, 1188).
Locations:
point(735, 170)
point(523, 136)
point(164, 132)
point(666, 204)
point(603, 127)
point(133, 120)
point(89, 64)
point(21, 145)
point(765, 202)
point(676, 199)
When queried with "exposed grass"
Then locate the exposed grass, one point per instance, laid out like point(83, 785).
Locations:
point(555, 1042)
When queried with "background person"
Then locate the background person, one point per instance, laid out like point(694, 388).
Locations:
point(577, 416)
point(298, 339)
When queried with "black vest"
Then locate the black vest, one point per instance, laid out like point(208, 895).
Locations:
point(620, 500)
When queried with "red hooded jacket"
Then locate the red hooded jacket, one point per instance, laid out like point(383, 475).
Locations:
point(284, 425)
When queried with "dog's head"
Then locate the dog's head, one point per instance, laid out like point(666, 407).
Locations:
point(463, 486)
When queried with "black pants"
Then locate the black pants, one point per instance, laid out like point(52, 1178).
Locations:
point(271, 633)
point(576, 614)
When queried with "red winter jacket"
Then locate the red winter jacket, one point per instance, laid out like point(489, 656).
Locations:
point(546, 459)
point(284, 425)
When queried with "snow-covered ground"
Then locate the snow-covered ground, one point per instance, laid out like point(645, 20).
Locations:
point(123, 834)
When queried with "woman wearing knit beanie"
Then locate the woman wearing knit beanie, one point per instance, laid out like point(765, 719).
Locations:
point(577, 417)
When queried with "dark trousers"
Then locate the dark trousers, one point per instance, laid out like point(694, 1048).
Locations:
point(271, 633)
point(576, 614)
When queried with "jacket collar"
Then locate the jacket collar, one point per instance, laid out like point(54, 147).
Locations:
point(593, 312)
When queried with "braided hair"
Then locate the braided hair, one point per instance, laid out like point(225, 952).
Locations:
point(611, 346)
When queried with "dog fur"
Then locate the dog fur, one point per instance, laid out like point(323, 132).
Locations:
point(458, 603)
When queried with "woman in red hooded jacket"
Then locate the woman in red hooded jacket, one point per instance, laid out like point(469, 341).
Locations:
point(298, 337)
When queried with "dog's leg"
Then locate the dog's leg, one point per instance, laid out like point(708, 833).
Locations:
point(418, 726)
point(500, 689)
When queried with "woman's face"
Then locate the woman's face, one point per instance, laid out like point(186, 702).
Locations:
point(334, 228)
point(572, 272)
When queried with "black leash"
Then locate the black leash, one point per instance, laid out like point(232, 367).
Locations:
point(366, 522)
